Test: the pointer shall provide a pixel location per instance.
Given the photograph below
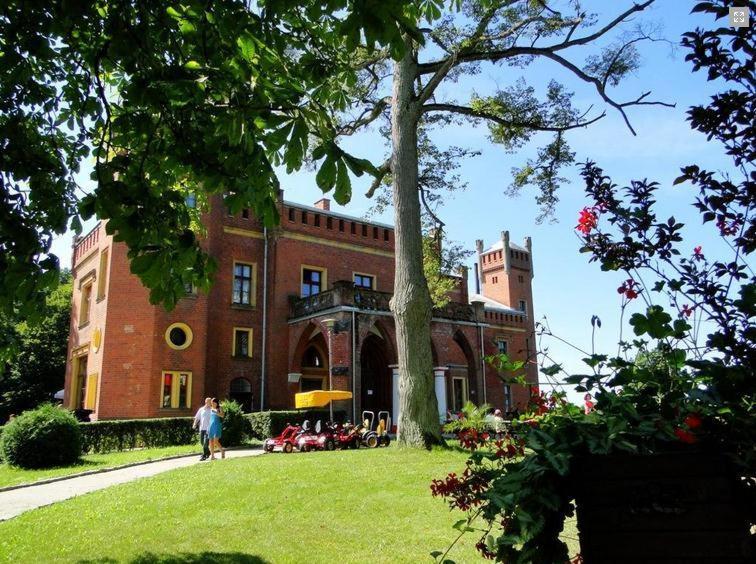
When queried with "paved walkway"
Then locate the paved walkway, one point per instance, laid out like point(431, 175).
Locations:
point(15, 502)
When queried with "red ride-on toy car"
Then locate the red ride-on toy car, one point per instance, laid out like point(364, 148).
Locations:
point(284, 442)
point(347, 436)
point(322, 438)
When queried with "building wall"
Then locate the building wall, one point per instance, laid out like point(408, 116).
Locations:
point(134, 354)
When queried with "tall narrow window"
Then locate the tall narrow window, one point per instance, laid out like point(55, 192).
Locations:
point(523, 306)
point(242, 347)
point(341, 225)
point(507, 398)
point(354, 228)
point(329, 222)
point(86, 304)
point(243, 289)
point(385, 234)
point(304, 217)
point(102, 275)
point(364, 230)
point(245, 213)
point(501, 346)
point(312, 282)
point(291, 214)
point(167, 388)
point(317, 220)
point(176, 390)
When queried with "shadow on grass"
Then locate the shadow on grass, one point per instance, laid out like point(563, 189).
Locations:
point(185, 558)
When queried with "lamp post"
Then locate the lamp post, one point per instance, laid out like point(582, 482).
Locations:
point(329, 325)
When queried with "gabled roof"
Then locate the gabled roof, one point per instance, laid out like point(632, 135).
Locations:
point(492, 305)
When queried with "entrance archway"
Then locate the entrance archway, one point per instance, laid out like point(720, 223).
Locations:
point(241, 392)
point(375, 375)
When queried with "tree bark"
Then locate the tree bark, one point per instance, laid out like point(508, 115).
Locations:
point(411, 304)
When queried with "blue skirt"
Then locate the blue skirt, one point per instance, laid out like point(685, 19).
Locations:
point(214, 432)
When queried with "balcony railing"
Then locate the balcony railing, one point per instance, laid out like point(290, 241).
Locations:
point(345, 294)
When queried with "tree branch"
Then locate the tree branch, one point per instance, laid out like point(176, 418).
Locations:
point(464, 110)
point(499, 54)
point(367, 117)
point(380, 174)
point(582, 75)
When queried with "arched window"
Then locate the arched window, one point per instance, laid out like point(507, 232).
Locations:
point(241, 392)
point(312, 358)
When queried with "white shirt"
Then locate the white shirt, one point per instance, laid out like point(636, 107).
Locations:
point(203, 417)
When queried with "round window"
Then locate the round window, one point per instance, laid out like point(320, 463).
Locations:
point(178, 336)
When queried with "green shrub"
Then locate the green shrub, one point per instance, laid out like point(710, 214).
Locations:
point(41, 438)
point(236, 427)
point(265, 424)
point(127, 434)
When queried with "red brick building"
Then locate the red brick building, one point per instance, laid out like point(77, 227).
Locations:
point(290, 307)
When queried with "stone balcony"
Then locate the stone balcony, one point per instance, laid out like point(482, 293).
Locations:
point(345, 294)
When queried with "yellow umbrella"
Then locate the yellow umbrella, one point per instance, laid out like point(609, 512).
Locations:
point(319, 398)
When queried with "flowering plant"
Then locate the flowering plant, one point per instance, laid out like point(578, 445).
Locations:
point(664, 389)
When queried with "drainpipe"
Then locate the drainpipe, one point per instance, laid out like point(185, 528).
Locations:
point(354, 368)
point(265, 317)
point(482, 362)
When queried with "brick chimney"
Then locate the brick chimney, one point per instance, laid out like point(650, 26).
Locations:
point(323, 204)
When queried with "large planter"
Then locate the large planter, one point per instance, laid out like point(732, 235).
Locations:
point(670, 507)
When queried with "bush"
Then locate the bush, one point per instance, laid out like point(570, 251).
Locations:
point(265, 424)
point(41, 438)
point(116, 435)
point(236, 427)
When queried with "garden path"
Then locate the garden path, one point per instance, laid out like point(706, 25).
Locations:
point(15, 502)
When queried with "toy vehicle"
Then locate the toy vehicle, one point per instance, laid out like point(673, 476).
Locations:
point(284, 442)
point(347, 436)
point(321, 438)
point(374, 435)
point(384, 424)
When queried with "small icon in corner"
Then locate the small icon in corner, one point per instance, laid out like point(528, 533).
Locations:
point(739, 16)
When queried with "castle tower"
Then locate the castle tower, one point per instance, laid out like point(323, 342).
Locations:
point(506, 271)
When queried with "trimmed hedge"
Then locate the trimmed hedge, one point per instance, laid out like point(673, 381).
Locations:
point(266, 424)
point(42, 438)
point(127, 434)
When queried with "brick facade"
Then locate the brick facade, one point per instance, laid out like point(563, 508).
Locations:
point(121, 365)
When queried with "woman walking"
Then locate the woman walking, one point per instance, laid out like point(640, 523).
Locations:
point(214, 430)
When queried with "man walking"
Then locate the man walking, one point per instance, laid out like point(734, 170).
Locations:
point(202, 419)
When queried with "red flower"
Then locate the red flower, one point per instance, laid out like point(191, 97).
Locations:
point(687, 311)
point(685, 436)
point(697, 251)
point(693, 421)
point(629, 288)
point(587, 221)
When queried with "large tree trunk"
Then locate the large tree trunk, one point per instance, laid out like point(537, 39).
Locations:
point(418, 420)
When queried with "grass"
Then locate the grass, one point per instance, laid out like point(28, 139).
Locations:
point(10, 476)
point(323, 507)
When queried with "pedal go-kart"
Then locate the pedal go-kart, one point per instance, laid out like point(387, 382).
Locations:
point(286, 441)
point(320, 438)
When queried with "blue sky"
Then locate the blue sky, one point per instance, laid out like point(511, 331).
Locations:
point(567, 289)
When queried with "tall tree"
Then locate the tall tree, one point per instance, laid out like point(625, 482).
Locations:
point(507, 34)
point(198, 96)
point(39, 368)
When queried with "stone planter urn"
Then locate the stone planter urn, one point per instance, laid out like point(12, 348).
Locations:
point(674, 507)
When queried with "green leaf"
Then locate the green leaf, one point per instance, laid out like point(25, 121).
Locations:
point(247, 48)
point(343, 192)
point(192, 65)
point(326, 176)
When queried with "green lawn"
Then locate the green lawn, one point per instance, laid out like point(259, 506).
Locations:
point(343, 507)
point(10, 476)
